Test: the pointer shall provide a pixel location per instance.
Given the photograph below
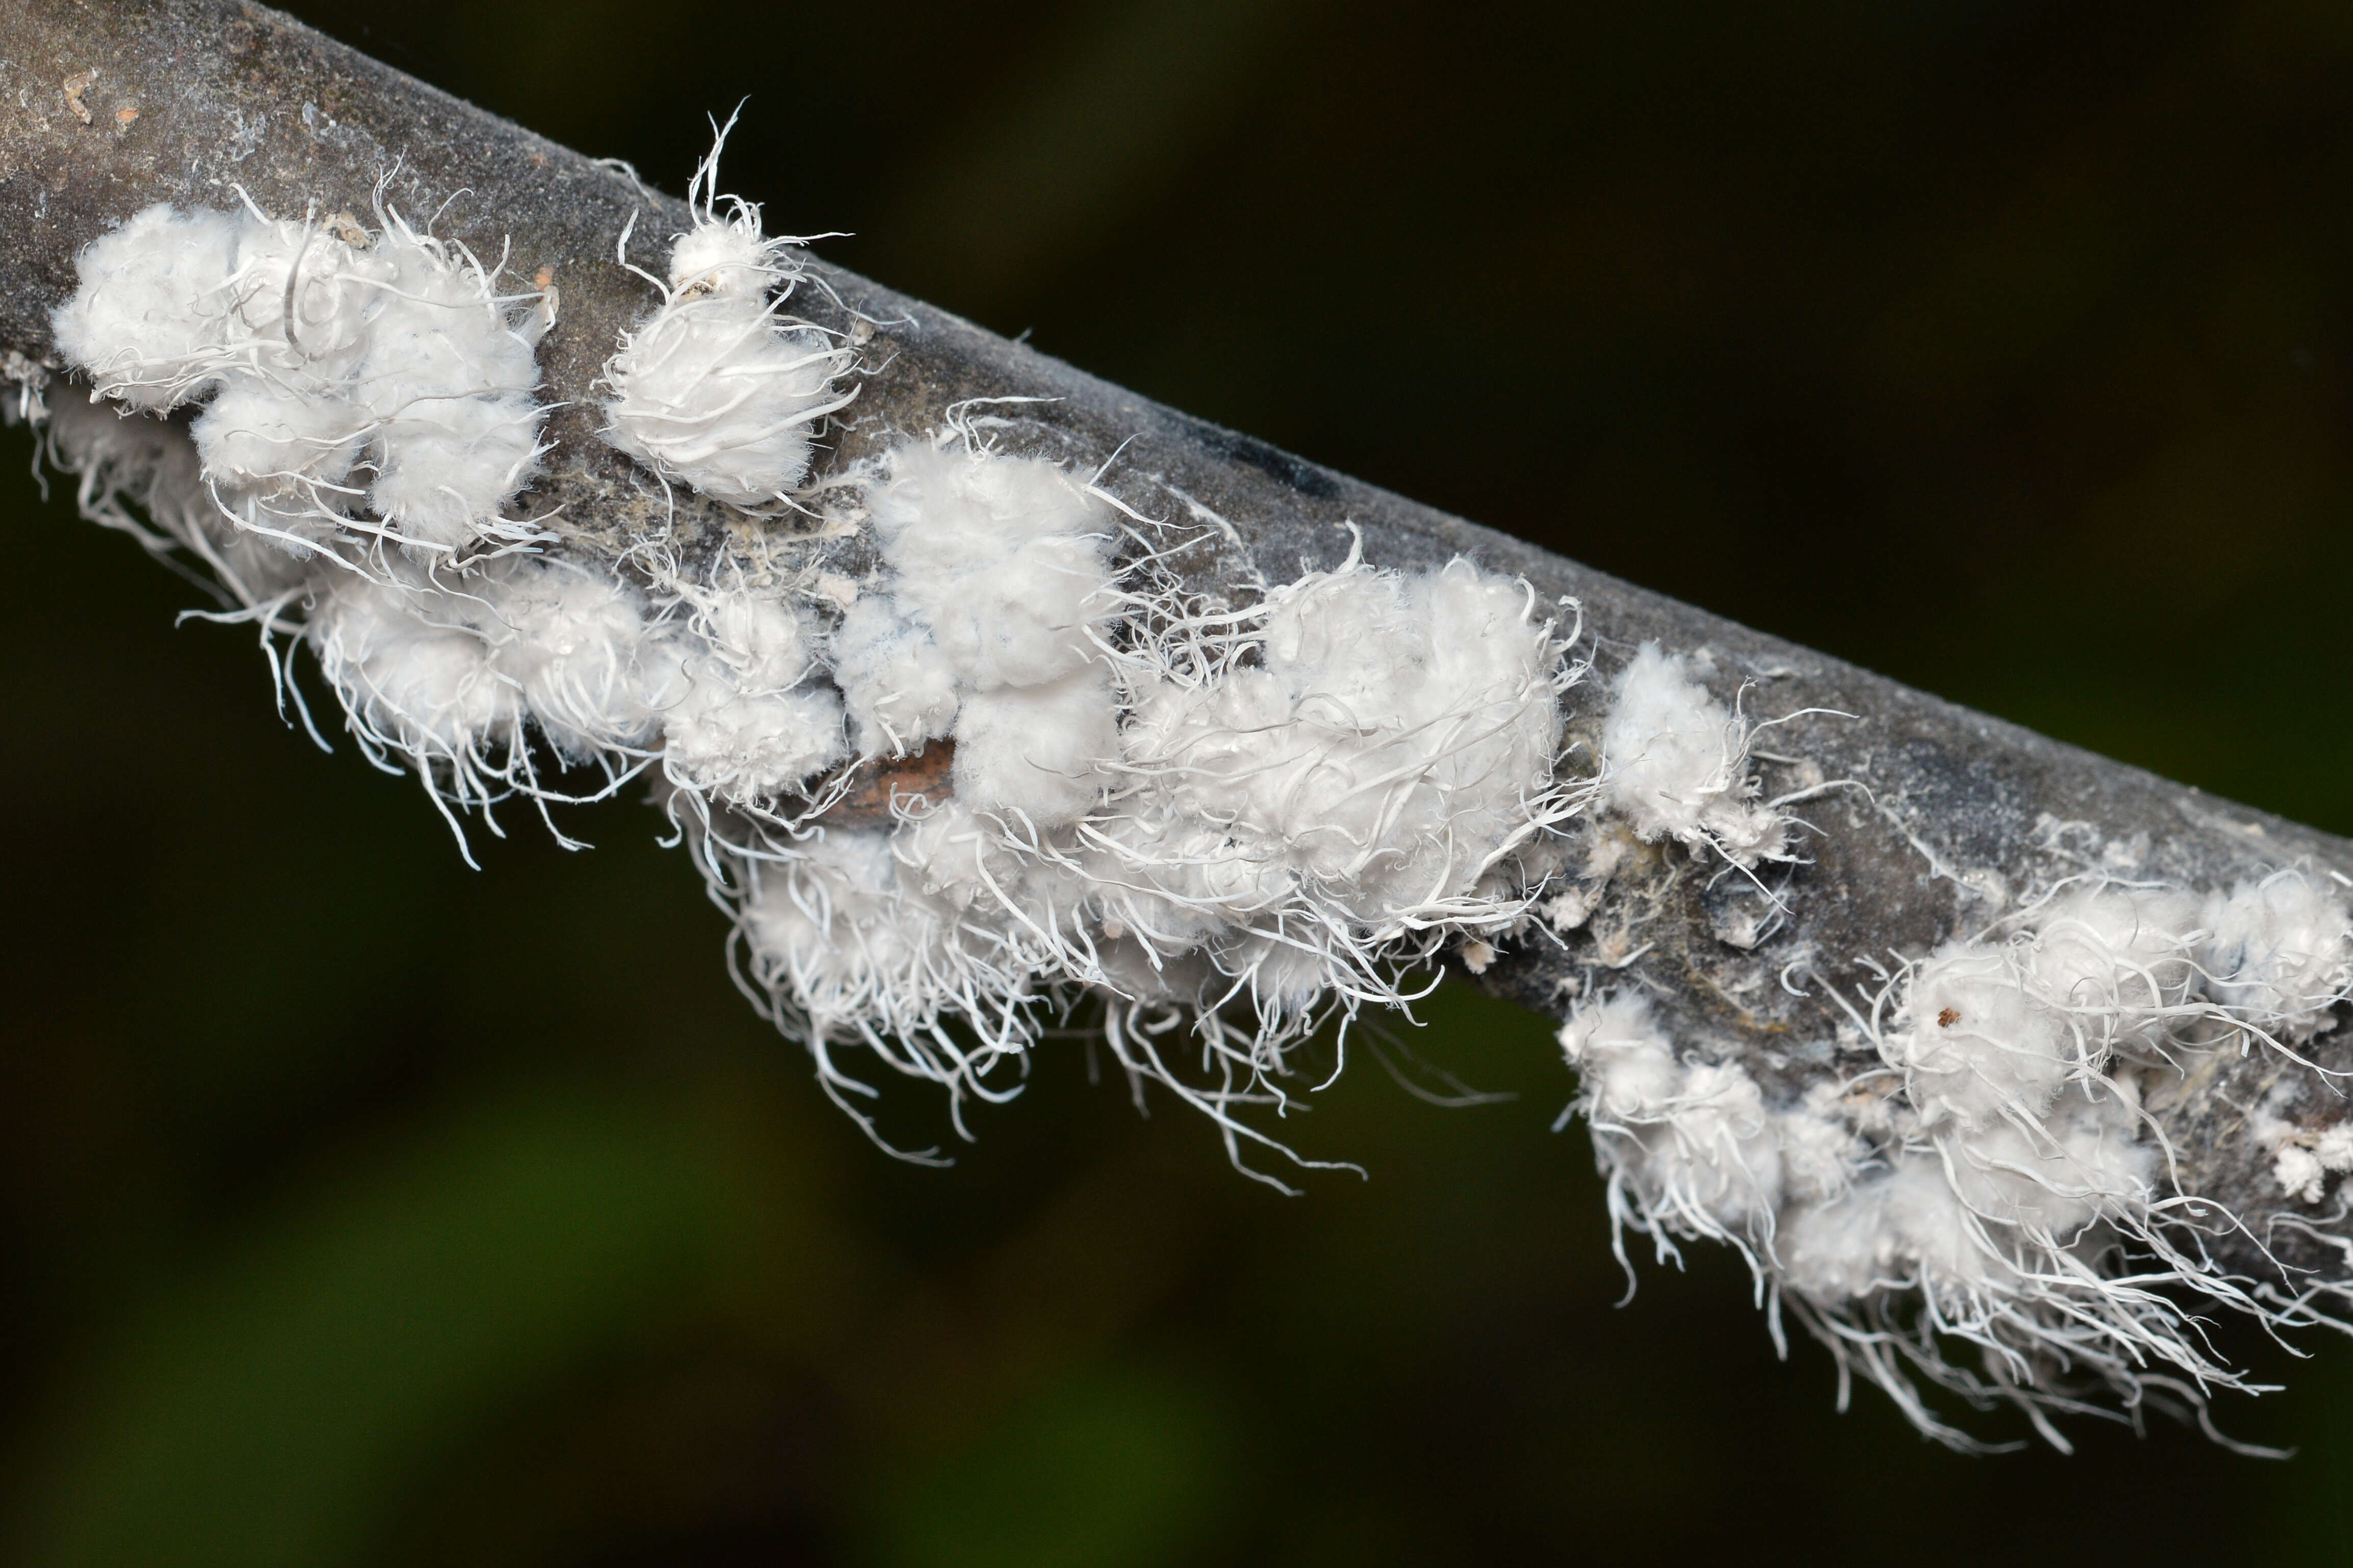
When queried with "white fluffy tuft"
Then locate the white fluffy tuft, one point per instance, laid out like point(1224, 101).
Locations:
point(1689, 1148)
point(2278, 952)
point(419, 685)
point(1675, 763)
point(1001, 559)
point(752, 723)
point(718, 389)
point(1042, 754)
point(351, 387)
point(899, 688)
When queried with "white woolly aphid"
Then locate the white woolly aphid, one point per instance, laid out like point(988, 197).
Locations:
point(1997, 1185)
point(577, 645)
point(836, 930)
point(899, 688)
point(718, 389)
point(2279, 953)
point(1312, 796)
point(1040, 755)
point(438, 673)
point(752, 720)
point(350, 384)
point(1987, 1031)
point(999, 578)
point(1335, 779)
point(896, 939)
point(1675, 763)
point(446, 681)
point(1688, 1149)
point(1194, 813)
point(419, 689)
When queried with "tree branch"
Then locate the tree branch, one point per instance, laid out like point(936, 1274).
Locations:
point(1928, 821)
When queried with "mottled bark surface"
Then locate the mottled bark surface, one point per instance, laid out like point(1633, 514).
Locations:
point(1931, 820)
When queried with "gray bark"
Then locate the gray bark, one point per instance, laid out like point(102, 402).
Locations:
point(1949, 816)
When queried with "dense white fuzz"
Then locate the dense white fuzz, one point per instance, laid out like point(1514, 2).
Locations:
point(751, 723)
point(1357, 756)
point(1675, 762)
point(1222, 825)
point(1986, 1030)
point(2278, 952)
point(1040, 752)
point(419, 684)
point(155, 310)
point(1996, 1183)
point(986, 627)
point(1689, 1148)
point(999, 582)
point(350, 384)
point(1822, 1153)
point(1003, 560)
point(1976, 1042)
point(1279, 807)
point(718, 389)
point(862, 957)
point(900, 688)
point(576, 644)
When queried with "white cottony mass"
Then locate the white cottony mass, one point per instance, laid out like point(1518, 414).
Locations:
point(718, 389)
point(350, 386)
point(975, 762)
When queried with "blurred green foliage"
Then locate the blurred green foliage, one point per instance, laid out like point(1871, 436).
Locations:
point(363, 1209)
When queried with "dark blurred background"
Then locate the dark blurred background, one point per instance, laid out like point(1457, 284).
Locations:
point(358, 1208)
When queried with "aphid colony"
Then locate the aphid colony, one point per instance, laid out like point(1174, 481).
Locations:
point(1018, 769)
point(1215, 825)
point(1984, 1163)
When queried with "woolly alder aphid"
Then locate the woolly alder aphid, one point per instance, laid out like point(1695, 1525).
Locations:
point(1215, 826)
point(352, 389)
point(718, 389)
point(1223, 825)
point(1996, 1183)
